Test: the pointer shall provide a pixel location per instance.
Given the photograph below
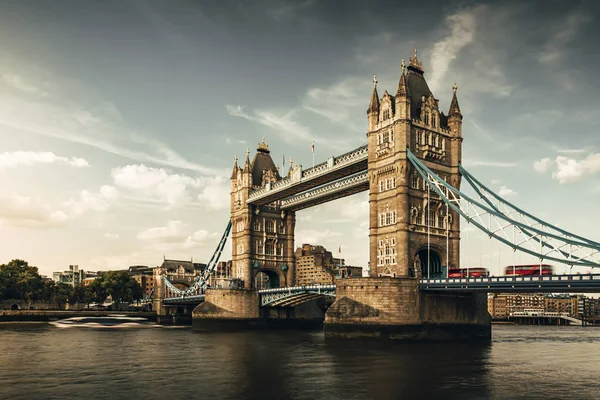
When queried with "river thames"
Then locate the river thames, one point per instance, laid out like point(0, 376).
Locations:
point(39, 361)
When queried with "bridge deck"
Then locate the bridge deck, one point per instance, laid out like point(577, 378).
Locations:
point(337, 168)
point(550, 283)
point(289, 296)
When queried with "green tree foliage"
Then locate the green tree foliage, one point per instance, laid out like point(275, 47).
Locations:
point(20, 281)
point(117, 284)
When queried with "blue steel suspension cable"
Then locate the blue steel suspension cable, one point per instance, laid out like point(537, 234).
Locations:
point(424, 171)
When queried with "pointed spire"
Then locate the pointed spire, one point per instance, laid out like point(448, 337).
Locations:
point(247, 164)
point(235, 167)
point(402, 86)
point(454, 107)
point(414, 64)
point(374, 104)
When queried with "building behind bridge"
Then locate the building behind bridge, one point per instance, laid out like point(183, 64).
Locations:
point(316, 265)
point(501, 305)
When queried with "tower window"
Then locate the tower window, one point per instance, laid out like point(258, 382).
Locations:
point(270, 226)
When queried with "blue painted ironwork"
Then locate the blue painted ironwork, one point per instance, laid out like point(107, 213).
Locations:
point(293, 296)
point(199, 285)
point(561, 249)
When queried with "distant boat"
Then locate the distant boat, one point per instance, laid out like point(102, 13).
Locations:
point(111, 321)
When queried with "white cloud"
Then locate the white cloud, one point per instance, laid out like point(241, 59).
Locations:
point(463, 26)
point(74, 113)
point(229, 140)
point(569, 151)
point(505, 192)
point(88, 201)
point(175, 235)
point(289, 130)
point(542, 165)
point(17, 82)
point(338, 103)
point(155, 183)
point(174, 190)
point(113, 236)
point(498, 164)
point(28, 158)
point(17, 210)
point(570, 170)
point(215, 193)
point(314, 236)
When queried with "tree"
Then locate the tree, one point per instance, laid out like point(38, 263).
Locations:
point(20, 281)
point(117, 284)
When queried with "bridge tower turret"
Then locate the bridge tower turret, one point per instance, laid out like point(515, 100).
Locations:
point(262, 236)
point(410, 225)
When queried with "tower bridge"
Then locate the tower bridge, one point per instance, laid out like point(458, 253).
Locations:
point(411, 166)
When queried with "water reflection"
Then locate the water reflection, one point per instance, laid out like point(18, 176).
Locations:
point(41, 362)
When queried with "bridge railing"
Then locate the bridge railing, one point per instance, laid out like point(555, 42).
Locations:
point(509, 279)
point(297, 289)
point(318, 170)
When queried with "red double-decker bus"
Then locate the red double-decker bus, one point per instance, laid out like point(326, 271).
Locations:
point(528, 270)
point(475, 272)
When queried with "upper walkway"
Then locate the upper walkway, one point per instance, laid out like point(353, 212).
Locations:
point(333, 169)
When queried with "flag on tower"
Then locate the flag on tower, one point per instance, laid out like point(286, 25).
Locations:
point(340, 249)
point(313, 146)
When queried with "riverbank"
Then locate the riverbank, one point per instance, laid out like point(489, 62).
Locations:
point(53, 315)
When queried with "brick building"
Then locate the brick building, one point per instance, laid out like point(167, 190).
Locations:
point(315, 265)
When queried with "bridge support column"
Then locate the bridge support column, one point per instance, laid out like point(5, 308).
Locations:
point(394, 308)
point(225, 309)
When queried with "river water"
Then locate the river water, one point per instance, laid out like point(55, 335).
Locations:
point(39, 361)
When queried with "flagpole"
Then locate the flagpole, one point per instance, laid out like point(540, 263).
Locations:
point(313, 152)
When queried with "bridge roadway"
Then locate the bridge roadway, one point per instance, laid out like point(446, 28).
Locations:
point(291, 296)
point(333, 169)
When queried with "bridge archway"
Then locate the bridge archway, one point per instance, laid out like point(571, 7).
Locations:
point(432, 256)
point(267, 279)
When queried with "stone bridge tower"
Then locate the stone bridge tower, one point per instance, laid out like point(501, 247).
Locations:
point(262, 236)
point(411, 231)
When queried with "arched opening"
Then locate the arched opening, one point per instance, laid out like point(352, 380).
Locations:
point(266, 279)
point(14, 307)
point(434, 269)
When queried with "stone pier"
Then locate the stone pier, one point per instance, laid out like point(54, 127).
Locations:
point(394, 308)
point(239, 309)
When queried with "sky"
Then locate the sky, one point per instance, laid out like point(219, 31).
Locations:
point(119, 119)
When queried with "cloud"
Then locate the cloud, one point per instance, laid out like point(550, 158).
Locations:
point(88, 201)
point(339, 102)
point(113, 236)
point(17, 82)
point(19, 211)
point(175, 235)
point(542, 165)
point(289, 130)
point(569, 151)
point(314, 236)
point(175, 190)
point(497, 164)
point(284, 11)
point(463, 26)
point(229, 140)
point(554, 50)
point(73, 113)
point(29, 158)
point(215, 193)
point(154, 183)
point(569, 170)
point(505, 192)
